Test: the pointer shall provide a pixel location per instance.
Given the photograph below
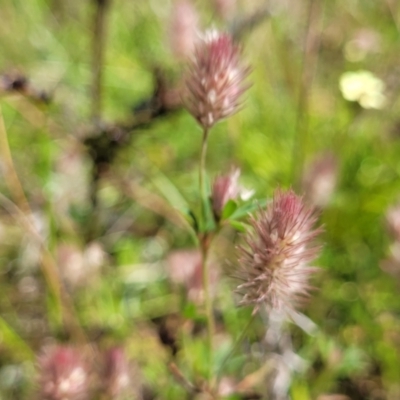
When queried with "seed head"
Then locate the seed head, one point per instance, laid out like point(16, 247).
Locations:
point(215, 79)
point(225, 188)
point(274, 261)
point(63, 374)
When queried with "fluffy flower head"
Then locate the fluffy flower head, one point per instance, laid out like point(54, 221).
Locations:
point(274, 261)
point(215, 79)
point(64, 375)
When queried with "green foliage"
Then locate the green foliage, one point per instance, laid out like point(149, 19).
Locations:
point(149, 206)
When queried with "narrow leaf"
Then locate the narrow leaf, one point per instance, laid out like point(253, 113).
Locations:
point(230, 207)
point(248, 208)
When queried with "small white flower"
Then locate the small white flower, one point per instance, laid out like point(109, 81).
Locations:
point(363, 87)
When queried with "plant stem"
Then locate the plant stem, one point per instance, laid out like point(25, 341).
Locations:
point(235, 346)
point(202, 173)
point(311, 44)
point(204, 246)
point(207, 299)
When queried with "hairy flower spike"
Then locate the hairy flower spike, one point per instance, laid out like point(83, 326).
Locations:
point(215, 80)
point(63, 374)
point(274, 261)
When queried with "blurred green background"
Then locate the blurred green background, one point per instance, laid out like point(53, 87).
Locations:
point(109, 227)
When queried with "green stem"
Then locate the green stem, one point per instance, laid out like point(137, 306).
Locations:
point(204, 246)
point(235, 346)
point(202, 174)
point(207, 301)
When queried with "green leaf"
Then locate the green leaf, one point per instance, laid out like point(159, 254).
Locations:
point(207, 224)
point(11, 339)
point(239, 226)
point(192, 220)
point(248, 208)
point(230, 207)
point(170, 192)
point(174, 197)
point(190, 311)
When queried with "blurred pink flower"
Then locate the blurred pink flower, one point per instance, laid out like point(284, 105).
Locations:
point(116, 378)
point(393, 221)
point(79, 267)
point(320, 178)
point(63, 374)
point(274, 262)
point(363, 43)
point(184, 267)
point(215, 79)
point(183, 28)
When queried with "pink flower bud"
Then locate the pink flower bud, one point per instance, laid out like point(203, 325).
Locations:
point(225, 188)
point(215, 79)
point(274, 261)
point(63, 374)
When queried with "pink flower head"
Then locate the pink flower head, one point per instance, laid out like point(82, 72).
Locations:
point(63, 374)
point(225, 188)
point(215, 79)
point(274, 262)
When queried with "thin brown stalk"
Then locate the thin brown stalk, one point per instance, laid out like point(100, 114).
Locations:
point(393, 12)
point(10, 175)
point(181, 379)
point(98, 44)
point(310, 58)
point(22, 210)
